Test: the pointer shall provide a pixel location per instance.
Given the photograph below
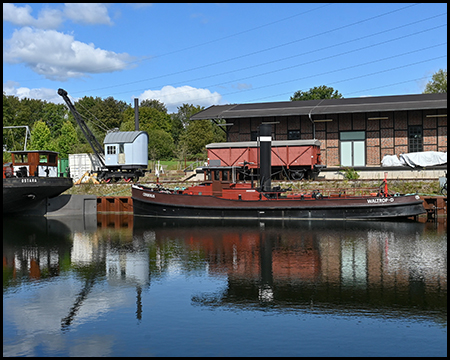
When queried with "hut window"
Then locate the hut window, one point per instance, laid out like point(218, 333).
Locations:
point(121, 149)
point(111, 150)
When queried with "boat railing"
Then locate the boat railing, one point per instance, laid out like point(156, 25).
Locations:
point(341, 192)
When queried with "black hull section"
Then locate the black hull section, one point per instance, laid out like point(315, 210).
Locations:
point(26, 193)
point(301, 212)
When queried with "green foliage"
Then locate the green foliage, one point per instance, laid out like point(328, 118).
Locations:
point(350, 173)
point(160, 145)
point(149, 119)
point(67, 140)
point(40, 137)
point(54, 128)
point(53, 116)
point(316, 93)
point(438, 84)
point(198, 134)
point(155, 104)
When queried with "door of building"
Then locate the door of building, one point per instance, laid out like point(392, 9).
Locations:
point(353, 148)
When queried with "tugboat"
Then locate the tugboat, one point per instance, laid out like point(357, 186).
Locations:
point(30, 178)
point(222, 196)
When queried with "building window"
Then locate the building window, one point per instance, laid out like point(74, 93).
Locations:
point(353, 148)
point(294, 135)
point(111, 150)
point(253, 136)
point(415, 138)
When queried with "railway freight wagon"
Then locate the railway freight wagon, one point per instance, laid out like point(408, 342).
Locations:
point(291, 159)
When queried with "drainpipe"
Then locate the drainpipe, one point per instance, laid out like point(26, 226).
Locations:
point(313, 123)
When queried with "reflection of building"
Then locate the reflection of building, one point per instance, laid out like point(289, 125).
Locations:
point(329, 265)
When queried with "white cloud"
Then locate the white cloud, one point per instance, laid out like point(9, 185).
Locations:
point(58, 56)
point(47, 18)
point(50, 95)
point(173, 97)
point(88, 13)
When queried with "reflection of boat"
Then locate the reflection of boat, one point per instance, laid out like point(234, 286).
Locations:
point(372, 268)
point(31, 178)
point(222, 196)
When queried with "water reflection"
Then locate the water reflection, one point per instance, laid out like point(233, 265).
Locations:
point(371, 268)
point(397, 269)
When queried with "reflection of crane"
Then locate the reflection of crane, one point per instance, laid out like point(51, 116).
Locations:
point(67, 321)
point(127, 150)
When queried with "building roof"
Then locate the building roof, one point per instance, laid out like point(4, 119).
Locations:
point(325, 106)
point(122, 137)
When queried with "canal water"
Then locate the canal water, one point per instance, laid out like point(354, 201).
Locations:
point(124, 286)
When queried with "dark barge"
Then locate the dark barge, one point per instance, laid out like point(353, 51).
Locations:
point(31, 178)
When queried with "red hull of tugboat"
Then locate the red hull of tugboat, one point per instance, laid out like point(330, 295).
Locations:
point(164, 204)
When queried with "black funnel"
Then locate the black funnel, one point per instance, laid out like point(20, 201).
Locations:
point(265, 156)
point(136, 114)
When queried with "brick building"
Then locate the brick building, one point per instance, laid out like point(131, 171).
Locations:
point(356, 132)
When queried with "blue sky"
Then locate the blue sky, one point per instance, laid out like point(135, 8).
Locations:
point(213, 54)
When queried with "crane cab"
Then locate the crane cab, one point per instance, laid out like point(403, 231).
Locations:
point(126, 150)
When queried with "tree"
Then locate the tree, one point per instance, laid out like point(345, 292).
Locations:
point(156, 104)
point(181, 119)
point(53, 115)
point(438, 84)
point(316, 93)
point(40, 137)
point(68, 140)
point(161, 145)
point(198, 134)
point(149, 119)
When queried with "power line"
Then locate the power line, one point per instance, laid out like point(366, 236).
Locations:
point(358, 77)
point(335, 82)
point(307, 53)
point(325, 58)
point(257, 52)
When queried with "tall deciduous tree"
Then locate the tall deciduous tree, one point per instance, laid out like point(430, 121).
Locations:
point(316, 93)
point(40, 137)
point(67, 142)
point(156, 104)
point(198, 134)
point(438, 83)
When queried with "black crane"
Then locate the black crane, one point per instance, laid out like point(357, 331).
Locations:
point(92, 140)
point(129, 171)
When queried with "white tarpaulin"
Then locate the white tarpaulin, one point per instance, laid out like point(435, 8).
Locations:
point(416, 159)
